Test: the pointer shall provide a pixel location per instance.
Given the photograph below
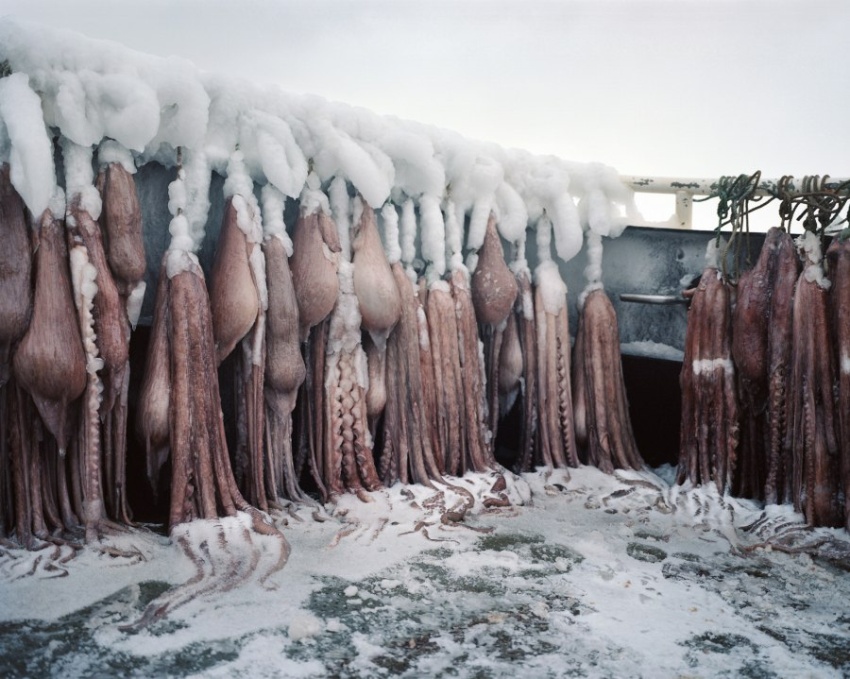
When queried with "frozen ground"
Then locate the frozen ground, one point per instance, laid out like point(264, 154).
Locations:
point(595, 576)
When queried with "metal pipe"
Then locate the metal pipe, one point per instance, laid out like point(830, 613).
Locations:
point(704, 187)
point(686, 189)
point(652, 299)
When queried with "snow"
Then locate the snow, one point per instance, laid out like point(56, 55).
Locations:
point(312, 198)
point(392, 246)
point(407, 232)
point(79, 177)
point(273, 226)
point(552, 287)
point(134, 303)
point(454, 227)
point(653, 350)
point(809, 246)
point(137, 108)
point(110, 151)
point(706, 366)
point(83, 275)
point(433, 235)
point(714, 250)
point(24, 142)
point(586, 574)
point(341, 208)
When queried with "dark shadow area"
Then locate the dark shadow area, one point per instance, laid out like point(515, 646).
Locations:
point(655, 407)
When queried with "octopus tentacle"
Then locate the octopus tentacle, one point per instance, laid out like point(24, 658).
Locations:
point(556, 430)
point(543, 376)
point(471, 372)
point(780, 346)
point(709, 429)
point(19, 439)
point(16, 296)
point(839, 298)
point(411, 442)
point(152, 416)
point(525, 313)
point(427, 357)
point(812, 436)
point(443, 333)
point(285, 371)
point(568, 454)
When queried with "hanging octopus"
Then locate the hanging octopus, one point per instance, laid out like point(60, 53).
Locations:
point(812, 435)
point(761, 350)
point(556, 427)
point(285, 369)
point(348, 461)
point(494, 291)
point(314, 263)
point(15, 310)
point(606, 427)
point(838, 255)
point(518, 370)
point(408, 453)
point(239, 301)
point(709, 429)
point(49, 368)
point(185, 376)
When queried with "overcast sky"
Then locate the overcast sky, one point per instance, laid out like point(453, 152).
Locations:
point(689, 88)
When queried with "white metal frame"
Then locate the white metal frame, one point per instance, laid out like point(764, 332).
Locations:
point(686, 189)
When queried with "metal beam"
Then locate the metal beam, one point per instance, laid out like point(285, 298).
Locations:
point(686, 188)
point(704, 187)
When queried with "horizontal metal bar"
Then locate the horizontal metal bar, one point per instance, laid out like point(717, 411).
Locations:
point(652, 299)
point(704, 187)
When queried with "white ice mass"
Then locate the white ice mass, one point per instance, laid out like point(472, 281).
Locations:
point(100, 95)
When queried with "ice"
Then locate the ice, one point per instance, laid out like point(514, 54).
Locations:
point(710, 365)
point(433, 235)
point(79, 177)
point(110, 151)
point(566, 227)
point(280, 157)
point(240, 189)
point(652, 350)
point(407, 231)
point(305, 625)
point(454, 225)
point(809, 246)
point(140, 108)
point(513, 215)
point(134, 303)
point(312, 198)
point(25, 143)
point(392, 246)
point(551, 286)
point(341, 209)
point(273, 226)
point(714, 251)
point(592, 574)
point(83, 275)
point(417, 170)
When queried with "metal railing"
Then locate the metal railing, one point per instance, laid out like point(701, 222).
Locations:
point(685, 190)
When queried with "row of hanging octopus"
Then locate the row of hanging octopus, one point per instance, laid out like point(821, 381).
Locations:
point(354, 372)
point(766, 379)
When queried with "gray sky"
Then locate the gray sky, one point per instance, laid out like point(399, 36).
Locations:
point(682, 88)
